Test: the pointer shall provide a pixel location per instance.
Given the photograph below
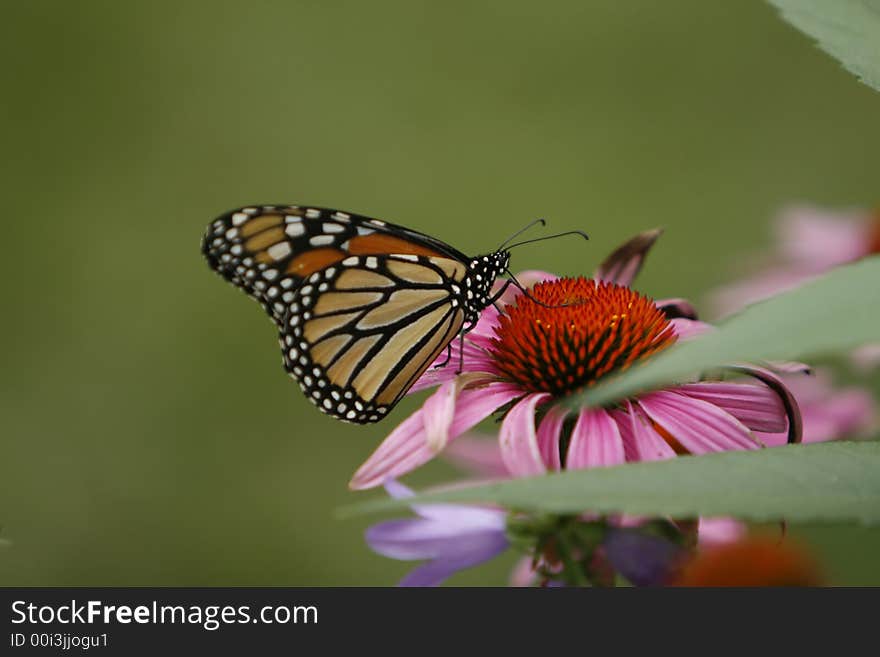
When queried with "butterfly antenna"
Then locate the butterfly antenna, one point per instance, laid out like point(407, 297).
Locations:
point(526, 293)
point(550, 237)
point(521, 231)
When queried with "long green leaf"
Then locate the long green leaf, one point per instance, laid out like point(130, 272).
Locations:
point(821, 482)
point(836, 312)
point(848, 30)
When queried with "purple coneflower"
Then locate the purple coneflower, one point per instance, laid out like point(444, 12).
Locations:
point(561, 338)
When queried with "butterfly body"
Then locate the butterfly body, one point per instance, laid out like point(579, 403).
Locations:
point(363, 306)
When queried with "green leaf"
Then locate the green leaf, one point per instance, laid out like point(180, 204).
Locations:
point(821, 482)
point(835, 312)
point(848, 30)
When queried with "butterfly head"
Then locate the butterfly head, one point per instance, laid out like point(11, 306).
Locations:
point(483, 271)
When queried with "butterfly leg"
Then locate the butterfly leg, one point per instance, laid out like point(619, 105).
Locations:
point(460, 353)
point(448, 357)
point(500, 292)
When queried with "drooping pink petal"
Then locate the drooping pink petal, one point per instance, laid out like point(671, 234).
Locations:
point(793, 416)
point(406, 447)
point(756, 406)
point(519, 442)
point(549, 434)
point(700, 427)
point(828, 413)
point(624, 263)
point(438, 412)
point(640, 441)
point(595, 441)
point(686, 329)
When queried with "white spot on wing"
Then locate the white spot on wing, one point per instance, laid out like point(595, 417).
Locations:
point(295, 230)
point(279, 251)
point(321, 240)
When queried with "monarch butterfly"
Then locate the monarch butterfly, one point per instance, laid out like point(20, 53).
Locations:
point(363, 306)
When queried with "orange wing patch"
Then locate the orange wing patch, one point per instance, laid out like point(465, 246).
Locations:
point(314, 260)
point(380, 244)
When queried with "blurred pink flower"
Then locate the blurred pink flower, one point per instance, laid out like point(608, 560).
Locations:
point(809, 242)
point(562, 337)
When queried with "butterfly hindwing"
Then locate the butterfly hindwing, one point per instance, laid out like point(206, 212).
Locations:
point(358, 333)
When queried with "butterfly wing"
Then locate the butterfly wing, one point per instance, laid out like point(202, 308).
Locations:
point(268, 251)
point(357, 334)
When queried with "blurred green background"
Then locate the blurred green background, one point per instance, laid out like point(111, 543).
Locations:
point(150, 435)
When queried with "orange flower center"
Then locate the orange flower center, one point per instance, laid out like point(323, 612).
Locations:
point(583, 331)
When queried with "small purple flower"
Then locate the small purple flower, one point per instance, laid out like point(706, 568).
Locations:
point(449, 537)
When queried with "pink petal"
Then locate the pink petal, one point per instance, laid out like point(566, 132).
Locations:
point(519, 443)
point(549, 433)
point(438, 411)
point(478, 455)
point(756, 406)
point(720, 530)
point(699, 426)
point(686, 329)
point(641, 442)
point(595, 441)
point(523, 574)
point(406, 447)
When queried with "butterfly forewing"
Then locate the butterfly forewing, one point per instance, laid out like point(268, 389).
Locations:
point(268, 250)
point(357, 334)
